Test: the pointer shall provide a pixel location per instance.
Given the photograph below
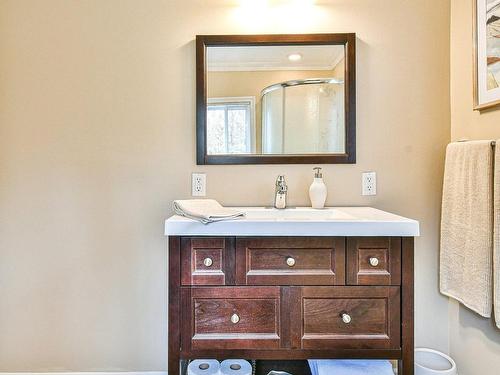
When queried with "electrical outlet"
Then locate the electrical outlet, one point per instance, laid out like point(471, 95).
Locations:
point(198, 184)
point(369, 183)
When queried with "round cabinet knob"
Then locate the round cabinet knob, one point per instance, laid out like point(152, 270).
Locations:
point(346, 318)
point(235, 318)
point(290, 262)
point(374, 262)
point(208, 262)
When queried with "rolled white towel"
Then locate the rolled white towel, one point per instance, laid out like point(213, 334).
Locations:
point(205, 210)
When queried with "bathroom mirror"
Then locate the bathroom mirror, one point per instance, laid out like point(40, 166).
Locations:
point(280, 99)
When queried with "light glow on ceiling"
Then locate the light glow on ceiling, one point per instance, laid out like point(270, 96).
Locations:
point(276, 15)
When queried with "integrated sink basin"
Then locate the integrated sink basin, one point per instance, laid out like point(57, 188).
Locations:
point(300, 221)
point(298, 213)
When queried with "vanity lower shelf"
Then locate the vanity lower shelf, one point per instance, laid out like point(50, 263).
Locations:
point(291, 298)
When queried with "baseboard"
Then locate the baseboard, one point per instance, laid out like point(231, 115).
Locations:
point(88, 373)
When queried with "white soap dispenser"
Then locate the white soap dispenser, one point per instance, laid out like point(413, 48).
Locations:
point(317, 190)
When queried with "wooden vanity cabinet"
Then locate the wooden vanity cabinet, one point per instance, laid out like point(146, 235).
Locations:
point(291, 298)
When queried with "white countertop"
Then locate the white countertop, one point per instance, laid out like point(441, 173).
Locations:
point(300, 221)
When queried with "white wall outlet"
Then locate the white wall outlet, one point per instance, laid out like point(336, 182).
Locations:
point(369, 183)
point(198, 184)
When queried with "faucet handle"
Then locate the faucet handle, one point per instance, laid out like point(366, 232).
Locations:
point(281, 184)
point(280, 192)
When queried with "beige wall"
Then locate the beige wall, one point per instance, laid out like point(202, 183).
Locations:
point(474, 341)
point(97, 138)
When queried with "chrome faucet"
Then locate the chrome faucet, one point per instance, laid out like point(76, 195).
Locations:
point(280, 192)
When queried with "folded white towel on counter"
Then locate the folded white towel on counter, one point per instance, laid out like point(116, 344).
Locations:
point(467, 225)
point(205, 210)
point(350, 367)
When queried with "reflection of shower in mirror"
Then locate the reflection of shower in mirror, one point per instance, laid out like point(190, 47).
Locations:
point(303, 116)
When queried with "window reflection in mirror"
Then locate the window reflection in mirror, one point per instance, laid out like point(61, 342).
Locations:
point(285, 99)
point(231, 125)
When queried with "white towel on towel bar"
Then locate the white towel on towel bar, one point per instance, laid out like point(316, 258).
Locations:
point(496, 237)
point(467, 225)
point(205, 210)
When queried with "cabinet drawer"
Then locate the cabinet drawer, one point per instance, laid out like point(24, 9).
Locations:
point(348, 318)
point(232, 317)
point(374, 261)
point(290, 261)
point(207, 261)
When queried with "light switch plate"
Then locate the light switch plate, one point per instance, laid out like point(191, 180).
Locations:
point(199, 184)
point(369, 183)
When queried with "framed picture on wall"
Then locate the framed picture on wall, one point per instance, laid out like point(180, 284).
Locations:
point(486, 54)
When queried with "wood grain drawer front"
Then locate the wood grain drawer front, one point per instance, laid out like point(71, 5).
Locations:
point(374, 261)
point(350, 318)
point(290, 261)
point(207, 261)
point(235, 318)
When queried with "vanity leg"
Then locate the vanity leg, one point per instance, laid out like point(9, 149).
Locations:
point(174, 278)
point(406, 364)
point(173, 365)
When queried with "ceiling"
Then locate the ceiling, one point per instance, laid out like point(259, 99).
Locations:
point(251, 58)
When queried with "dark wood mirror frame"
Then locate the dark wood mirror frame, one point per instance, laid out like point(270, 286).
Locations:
point(346, 39)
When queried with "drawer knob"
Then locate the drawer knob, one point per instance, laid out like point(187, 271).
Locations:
point(235, 318)
point(346, 318)
point(208, 262)
point(290, 262)
point(374, 262)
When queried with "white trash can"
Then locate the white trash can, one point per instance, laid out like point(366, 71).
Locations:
point(432, 362)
